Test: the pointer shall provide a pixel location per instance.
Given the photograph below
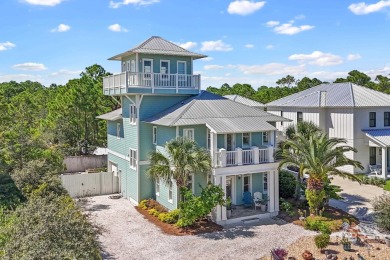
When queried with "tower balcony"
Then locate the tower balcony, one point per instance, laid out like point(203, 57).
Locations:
point(158, 83)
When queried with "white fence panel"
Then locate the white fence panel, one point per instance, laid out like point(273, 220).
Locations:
point(91, 184)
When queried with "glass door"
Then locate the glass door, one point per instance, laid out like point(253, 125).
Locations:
point(147, 71)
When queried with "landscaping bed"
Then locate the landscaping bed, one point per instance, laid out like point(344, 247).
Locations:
point(201, 226)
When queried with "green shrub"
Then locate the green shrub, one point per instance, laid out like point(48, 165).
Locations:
point(287, 207)
point(381, 206)
point(152, 204)
point(143, 204)
point(154, 212)
point(171, 217)
point(287, 184)
point(322, 241)
point(387, 185)
point(324, 228)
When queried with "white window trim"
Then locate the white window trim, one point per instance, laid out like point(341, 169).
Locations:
point(265, 174)
point(169, 70)
point(250, 182)
point(151, 68)
point(189, 129)
point(133, 158)
point(154, 135)
point(118, 130)
point(185, 67)
point(132, 68)
point(158, 183)
point(250, 139)
point(208, 133)
point(133, 116)
point(262, 138)
point(192, 182)
point(170, 200)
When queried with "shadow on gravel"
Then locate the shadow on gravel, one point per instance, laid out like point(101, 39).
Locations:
point(86, 205)
point(354, 199)
point(230, 233)
point(107, 256)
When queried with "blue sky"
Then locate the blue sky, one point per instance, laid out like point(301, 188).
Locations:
point(255, 42)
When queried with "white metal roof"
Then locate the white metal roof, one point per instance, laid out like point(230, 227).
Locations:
point(158, 45)
point(244, 100)
point(220, 114)
point(112, 116)
point(334, 95)
point(380, 136)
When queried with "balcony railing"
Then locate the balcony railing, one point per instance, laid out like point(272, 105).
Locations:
point(151, 80)
point(244, 157)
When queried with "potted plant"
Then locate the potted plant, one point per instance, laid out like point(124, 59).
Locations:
point(346, 243)
point(279, 253)
point(307, 255)
point(263, 202)
point(228, 207)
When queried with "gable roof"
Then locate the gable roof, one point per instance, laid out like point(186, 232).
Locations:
point(220, 114)
point(112, 116)
point(244, 100)
point(334, 95)
point(158, 45)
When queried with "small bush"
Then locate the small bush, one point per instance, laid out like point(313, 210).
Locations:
point(155, 205)
point(323, 224)
point(382, 209)
point(324, 228)
point(287, 183)
point(322, 241)
point(171, 217)
point(154, 212)
point(143, 204)
point(287, 207)
point(387, 186)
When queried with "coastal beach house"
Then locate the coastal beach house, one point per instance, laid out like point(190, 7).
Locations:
point(161, 99)
point(344, 110)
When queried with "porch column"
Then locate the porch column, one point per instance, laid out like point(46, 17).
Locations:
point(239, 156)
point(271, 154)
point(222, 158)
point(218, 209)
point(384, 162)
point(271, 191)
point(255, 150)
point(213, 148)
point(276, 173)
point(223, 208)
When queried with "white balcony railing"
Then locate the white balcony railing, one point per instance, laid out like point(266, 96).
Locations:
point(151, 80)
point(238, 157)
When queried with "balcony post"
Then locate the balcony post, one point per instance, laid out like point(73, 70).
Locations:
point(239, 156)
point(271, 154)
point(152, 81)
point(177, 82)
point(127, 80)
point(256, 151)
point(222, 154)
point(213, 149)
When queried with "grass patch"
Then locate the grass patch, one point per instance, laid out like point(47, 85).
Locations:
point(387, 185)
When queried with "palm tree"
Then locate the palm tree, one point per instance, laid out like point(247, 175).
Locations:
point(318, 156)
point(183, 157)
point(290, 156)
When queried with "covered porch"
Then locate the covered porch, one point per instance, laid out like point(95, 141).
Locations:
point(379, 152)
point(240, 189)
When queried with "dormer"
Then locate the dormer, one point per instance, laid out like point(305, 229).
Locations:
point(155, 66)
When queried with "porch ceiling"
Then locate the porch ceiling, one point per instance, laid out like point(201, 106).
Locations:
point(379, 136)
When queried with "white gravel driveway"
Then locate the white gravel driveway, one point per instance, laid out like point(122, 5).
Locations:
point(127, 235)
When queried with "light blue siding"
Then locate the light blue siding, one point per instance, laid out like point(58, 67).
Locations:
point(257, 139)
point(200, 134)
point(172, 60)
point(200, 181)
point(146, 184)
point(128, 177)
point(257, 185)
point(163, 197)
point(239, 140)
point(220, 141)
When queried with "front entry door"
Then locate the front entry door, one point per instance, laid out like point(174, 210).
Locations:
point(230, 188)
point(147, 72)
point(229, 142)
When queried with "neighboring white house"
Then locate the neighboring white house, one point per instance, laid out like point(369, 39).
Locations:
point(245, 101)
point(344, 110)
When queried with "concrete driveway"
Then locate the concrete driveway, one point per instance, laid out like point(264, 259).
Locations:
point(357, 198)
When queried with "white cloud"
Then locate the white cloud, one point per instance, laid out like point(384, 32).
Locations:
point(215, 46)
point(272, 23)
point(249, 45)
point(44, 2)
point(213, 67)
point(64, 72)
point(6, 46)
point(207, 59)
point(385, 71)
point(244, 7)
point(327, 75)
point(132, 2)
point(117, 28)
point(317, 58)
point(300, 17)
point(30, 66)
point(187, 45)
point(61, 28)
point(272, 69)
point(289, 29)
point(269, 47)
point(363, 8)
point(354, 56)
point(20, 77)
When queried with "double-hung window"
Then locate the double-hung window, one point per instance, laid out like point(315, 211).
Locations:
point(188, 134)
point(170, 191)
point(247, 183)
point(299, 117)
point(372, 119)
point(133, 114)
point(133, 158)
point(265, 182)
point(164, 69)
point(372, 155)
point(154, 137)
point(386, 120)
point(246, 139)
point(265, 138)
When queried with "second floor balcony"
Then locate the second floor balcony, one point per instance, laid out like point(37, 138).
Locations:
point(239, 156)
point(138, 82)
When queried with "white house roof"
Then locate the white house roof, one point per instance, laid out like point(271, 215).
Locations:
point(380, 136)
point(158, 45)
point(334, 95)
point(220, 114)
point(112, 116)
point(244, 100)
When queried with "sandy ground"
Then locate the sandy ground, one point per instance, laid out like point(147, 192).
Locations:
point(127, 235)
